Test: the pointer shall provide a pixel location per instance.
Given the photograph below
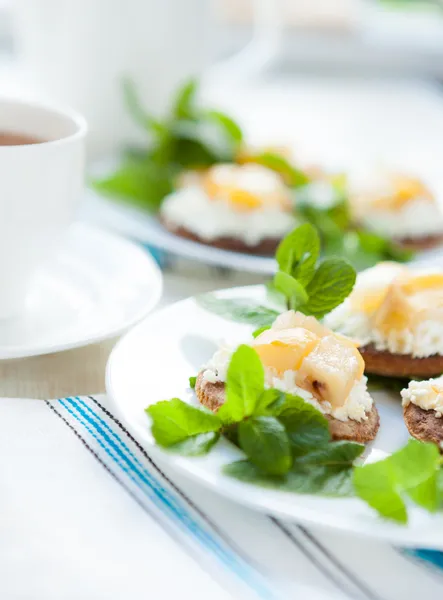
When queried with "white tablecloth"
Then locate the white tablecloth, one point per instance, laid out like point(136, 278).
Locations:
point(86, 514)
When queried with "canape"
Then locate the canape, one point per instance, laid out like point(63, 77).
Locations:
point(395, 314)
point(399, 207)
point(423, 410)
point(302, 357)
point(245, 208)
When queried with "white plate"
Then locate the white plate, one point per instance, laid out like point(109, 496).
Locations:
point(153, 362)
point(146, 228)
point(95, 288)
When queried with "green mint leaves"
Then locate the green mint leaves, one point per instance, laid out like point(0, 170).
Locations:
point(175, 421)
point(332, 282)
point(302, 283)
point(188, 137)
point(265, 442)
point(412, 472)
point(276, 162)
point(244, 384)
point(286, 441)
point(298, 253)
point(240, 310)
point(312, 287)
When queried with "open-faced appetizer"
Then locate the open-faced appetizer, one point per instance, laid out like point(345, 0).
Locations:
point(395, 313)
point(245, 208)
point(423, 410)
point(399, 207)
point(304, 358)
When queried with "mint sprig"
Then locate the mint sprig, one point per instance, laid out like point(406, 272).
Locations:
point(189, 137)
point(285, 439)
point(302, 283)
point(413, 472)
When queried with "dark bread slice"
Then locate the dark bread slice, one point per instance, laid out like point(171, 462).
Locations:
point(423, 424)
point(212, 395)
point(423, 243)
point(383, 362)
point(266, 247)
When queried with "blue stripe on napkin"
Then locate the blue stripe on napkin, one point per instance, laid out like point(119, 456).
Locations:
point(171, 508)
point(125, 459)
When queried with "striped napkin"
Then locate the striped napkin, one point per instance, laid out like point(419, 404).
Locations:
point(87, 513)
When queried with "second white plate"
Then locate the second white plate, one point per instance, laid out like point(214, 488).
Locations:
point(154, 361)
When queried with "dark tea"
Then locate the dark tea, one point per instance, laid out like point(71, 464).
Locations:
point(8, 138)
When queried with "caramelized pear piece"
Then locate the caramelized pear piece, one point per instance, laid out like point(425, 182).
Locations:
point(284, 350)
point(330, 370)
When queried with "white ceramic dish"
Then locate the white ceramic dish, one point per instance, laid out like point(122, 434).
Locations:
point(153, 362)
point(95, 288)
point(143, 227)
point(146, 228)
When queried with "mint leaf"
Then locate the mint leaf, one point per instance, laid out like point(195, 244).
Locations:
point(306, 426)
point(440, 487)
point(140, 181)
point(174, 421)
point(196, 445)
point(260, 330)
point(341, 453)
point(227, 125)
point(334, 481)
point(415, 467)
point(332, 283)
point(413, 471)
point(192, 382)
point(375, 483)
point(269, 403)
point(265, 443)
point(184, 104)
point(137, 112)
point(298, 252)
point(240, 310)
point(200, 143)
point(292, 176)
point(245, 382)
point(291, 288)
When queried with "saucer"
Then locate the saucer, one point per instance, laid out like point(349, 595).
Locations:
point(95, 288)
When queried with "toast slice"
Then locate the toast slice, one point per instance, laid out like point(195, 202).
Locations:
point(212, 395)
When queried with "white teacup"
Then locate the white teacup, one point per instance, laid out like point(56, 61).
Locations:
point(40, 187)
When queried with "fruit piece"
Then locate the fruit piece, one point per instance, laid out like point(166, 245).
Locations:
point(291, 319)
point(404, 189)
point(330, 370)
point(372, 286)
point(284, 350)
point(409, 299)
point(246, 187)
point(395, 312)
point(419, 283)
point(243, 200)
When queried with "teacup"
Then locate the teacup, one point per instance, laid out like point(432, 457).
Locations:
point(41, 180)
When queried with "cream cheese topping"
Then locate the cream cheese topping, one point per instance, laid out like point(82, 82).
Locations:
point(396, 205)
point(210, 219)
point(415, 220)
point(395, 308)
point(428, 395)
